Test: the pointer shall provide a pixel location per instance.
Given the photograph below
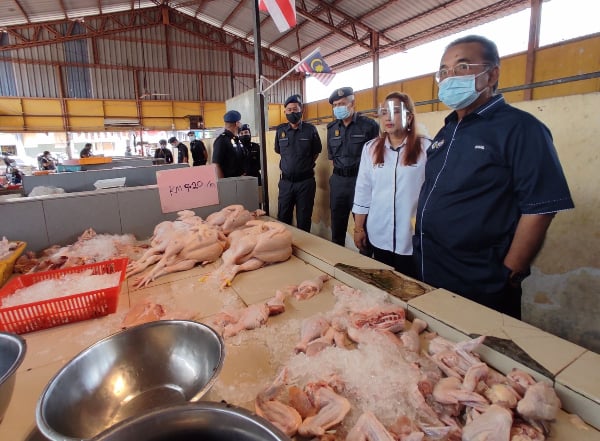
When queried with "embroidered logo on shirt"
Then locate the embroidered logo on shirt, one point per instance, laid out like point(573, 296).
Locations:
point(479, 147)
point(436, 145)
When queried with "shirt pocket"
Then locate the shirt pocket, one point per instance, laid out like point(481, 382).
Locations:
point(284, 145)
point(356, 144)
point(334, 145)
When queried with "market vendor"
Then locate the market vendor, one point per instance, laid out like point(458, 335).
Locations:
point(86, 152)
point(47, 162)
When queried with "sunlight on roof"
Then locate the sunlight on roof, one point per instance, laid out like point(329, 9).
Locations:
point(424, 59)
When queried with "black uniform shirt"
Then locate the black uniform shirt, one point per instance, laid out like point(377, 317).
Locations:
point(198, 152)
point(297, 147)
point(228, 152)
point(345, 143)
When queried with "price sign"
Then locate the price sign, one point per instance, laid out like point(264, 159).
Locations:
point(186, 188)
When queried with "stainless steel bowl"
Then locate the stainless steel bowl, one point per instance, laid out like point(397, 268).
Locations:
point(127, 374)
point(198, 421)
point(12, 353)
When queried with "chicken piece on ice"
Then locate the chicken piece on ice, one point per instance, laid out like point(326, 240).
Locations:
point(368, 428)
point(310, 288)
point(276, 303)
point(252, 317)
point(300, 401)
point(332, 410)
point(520, 380)
point(143, 312)
point(449, 391)
point(521, 431)
point(280, 414)
point(539, 403)
point(312, 328)
point(502, 395)
point(474, 375)
point(410, 338)
point(386, 317)
point(492, 425)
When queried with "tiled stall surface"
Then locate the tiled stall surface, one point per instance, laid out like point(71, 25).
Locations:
point(254, 358)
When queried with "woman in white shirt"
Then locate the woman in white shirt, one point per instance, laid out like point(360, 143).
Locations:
point(392, 170)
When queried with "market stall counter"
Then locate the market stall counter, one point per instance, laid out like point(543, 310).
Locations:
point(255, 357)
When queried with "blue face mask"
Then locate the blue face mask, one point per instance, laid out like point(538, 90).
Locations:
point(341, 112)
point(459, 92)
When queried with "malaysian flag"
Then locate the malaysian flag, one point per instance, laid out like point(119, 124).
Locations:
point(316, 66)
point(283, 12)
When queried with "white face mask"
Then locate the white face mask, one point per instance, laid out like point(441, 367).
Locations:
point(191, 137)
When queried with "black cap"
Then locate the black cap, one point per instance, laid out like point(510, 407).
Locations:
point(191, 133)
point(340, 93)
point(172, 139)
point(245, 127)
point(293, 99)
point(163, 142)
point(232, 116)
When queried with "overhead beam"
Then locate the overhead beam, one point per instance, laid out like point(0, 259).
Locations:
point(20, 6)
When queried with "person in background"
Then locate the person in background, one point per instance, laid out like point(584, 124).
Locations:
point(128, 151)
point(163, 152)
point(86, 151)
point(346, 136)
point(47, 162)
point(392, 170)
point(493, 183)
point(252, 158)
point(198, 150)
point(182, 150)
point(228, 151)
point(299, 145)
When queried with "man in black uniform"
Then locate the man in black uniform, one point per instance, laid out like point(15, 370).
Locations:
point(299, 144)
point(182, 151)
point(228, 152)
point(346, 137)
point(252, 160)
point(163, 152)
point(198, 149)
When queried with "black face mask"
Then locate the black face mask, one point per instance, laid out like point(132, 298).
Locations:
point(245, 139)
point(294, 117)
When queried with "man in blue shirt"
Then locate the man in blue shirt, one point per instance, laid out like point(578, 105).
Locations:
point(493, 183)
point(299, 145)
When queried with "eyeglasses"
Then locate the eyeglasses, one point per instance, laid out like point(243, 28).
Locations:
point(458, 70)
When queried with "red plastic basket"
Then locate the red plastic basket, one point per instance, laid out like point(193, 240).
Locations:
point(61, 310)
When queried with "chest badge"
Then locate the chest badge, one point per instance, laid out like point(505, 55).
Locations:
point(337, 133)
point(436, 145)
point(282, 135)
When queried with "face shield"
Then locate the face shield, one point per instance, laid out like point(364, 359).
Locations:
point(390, 108)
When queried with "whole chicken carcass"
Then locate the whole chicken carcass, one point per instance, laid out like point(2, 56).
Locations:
point(369, 428)
point(250, 248)
point(539, 403)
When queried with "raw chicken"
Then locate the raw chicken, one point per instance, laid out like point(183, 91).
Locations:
point(281, 415)
point(254, 316)
point(258, 244)
point(143, 312)
point(539, 403)
point(310, 288)
point(410, 338)
point(312, 328)
point(232, 217)
point(492, 425)
point(502, 395)
point(520, 380)
point(385, 317)
point(449, 391)
point(369, 428)
point(332, 410)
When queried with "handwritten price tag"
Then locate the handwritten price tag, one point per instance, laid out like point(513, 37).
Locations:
point(185, 188)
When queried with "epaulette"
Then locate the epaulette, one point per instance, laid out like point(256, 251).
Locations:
point(332, 123)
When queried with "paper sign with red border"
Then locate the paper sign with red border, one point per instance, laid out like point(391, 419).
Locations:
point(186, 188)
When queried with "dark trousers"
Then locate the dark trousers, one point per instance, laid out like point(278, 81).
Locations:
point(300, 195)
point(507, 301)
point(341, 198)
point(404, 264)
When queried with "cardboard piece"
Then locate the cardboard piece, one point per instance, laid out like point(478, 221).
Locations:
point(187, 188)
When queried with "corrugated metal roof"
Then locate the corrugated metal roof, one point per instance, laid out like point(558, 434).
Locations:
point(184, 38)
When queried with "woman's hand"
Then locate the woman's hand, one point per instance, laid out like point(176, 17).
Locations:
point(360, 239)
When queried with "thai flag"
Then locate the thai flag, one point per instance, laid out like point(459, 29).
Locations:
point(283, 12)
point(316, 66)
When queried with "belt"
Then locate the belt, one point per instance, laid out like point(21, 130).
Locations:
point(347, 172)
point(297, 177)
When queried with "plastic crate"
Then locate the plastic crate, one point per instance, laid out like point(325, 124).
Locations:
point(7, 265)
point(61, 310)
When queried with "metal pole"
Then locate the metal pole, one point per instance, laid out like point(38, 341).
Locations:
point(261, 110)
